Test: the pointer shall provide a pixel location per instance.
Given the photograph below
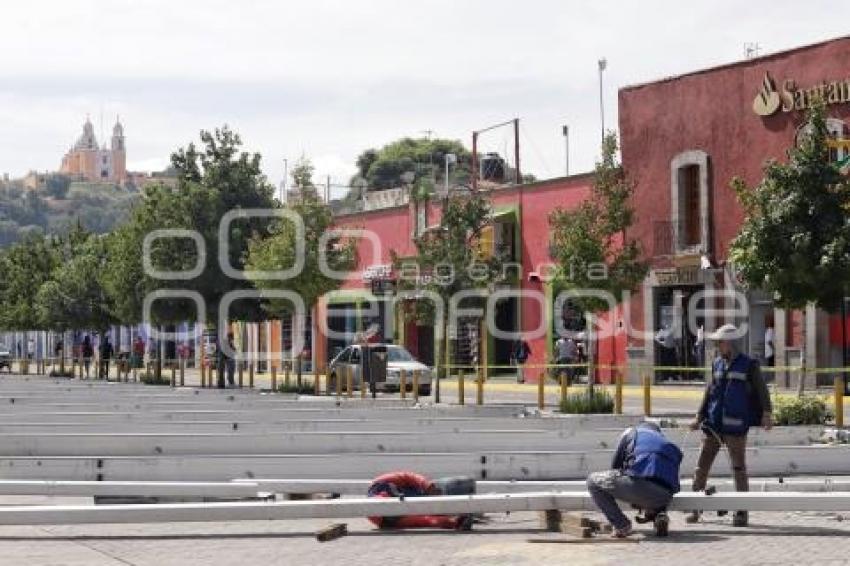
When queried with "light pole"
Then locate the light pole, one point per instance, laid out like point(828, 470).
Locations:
point(603, 64)
point(285, 196)
point(449, 159)
point(567, 149)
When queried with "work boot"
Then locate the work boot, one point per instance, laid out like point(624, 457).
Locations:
point(693, 517)
point(740, 519)
point(662, 524)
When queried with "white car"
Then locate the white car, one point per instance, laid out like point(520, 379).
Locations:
point(398, 359)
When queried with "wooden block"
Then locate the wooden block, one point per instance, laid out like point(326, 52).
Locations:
point(332, 532)
point(574, 524)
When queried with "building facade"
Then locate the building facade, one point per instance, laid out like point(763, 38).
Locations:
point(683, 141)
point(87, 161)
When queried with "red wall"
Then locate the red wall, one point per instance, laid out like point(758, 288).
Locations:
point(711, 110)
point(535, 201)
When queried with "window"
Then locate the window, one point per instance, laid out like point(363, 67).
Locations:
point(689, 202)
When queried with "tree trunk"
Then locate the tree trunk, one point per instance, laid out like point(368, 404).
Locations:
point(801, 383)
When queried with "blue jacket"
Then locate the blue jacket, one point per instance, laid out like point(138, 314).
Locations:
point(644, 452)
point(731, 405)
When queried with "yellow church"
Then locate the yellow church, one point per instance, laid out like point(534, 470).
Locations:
point(86, 161)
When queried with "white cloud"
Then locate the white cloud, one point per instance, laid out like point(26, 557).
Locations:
point(334, 77)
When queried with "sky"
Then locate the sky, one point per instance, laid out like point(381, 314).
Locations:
point(330, 78)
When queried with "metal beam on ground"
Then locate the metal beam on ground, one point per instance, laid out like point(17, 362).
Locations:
point(494, 465)
point(383, 439)
point(368, 507)
point(359, 487)
point(129, 489)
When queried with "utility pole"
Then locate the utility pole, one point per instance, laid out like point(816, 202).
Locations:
point(603, 64)
point(566, 130)
point(516, 151)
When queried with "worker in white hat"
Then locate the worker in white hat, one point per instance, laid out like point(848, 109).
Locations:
point(736, 397)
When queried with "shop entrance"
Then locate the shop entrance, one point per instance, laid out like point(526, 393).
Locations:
point(678, 345)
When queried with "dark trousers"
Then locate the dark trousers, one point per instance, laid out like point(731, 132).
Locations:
point(737, 448)
point(609, 486)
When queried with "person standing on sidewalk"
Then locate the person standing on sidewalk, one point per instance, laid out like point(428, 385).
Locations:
point(226, 363)
point(735, 399)
point(520, 352)
point(645, 473)
point(106, 352)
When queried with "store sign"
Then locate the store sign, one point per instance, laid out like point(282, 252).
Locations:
point(790, 97)
point(382, 271)
point(677, 276)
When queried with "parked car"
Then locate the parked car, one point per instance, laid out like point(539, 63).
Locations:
point(5, 359)
point(398, 360)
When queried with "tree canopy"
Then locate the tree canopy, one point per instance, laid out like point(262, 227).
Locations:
point(590, 243)
point(425, 158)
point(795, 239)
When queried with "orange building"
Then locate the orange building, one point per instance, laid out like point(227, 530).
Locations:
point(86, 161)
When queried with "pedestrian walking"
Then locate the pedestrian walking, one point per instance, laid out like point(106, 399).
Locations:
point(87, 352)
point(566, 354)
point(106, 352)
point(520, 352)
point(735, 399)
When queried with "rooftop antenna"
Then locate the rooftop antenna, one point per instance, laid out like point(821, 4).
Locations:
point(751, 50)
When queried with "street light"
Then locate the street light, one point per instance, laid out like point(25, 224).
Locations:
point(567, 149)
point(603, 64)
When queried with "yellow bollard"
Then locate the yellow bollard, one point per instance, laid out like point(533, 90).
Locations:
point(317, 382)
point(479, 391)
point(839, 401)
point(241, 373)
point(274, 378)
point(647, 402)
point(173, 375)
point(286, 375)
point(541, 391)
point(339, 386)
point(416, 385)
point(203, 374)
point(349, 383)
point(363, 388)
point(402, 384)
point(564, 388)
point(618, 393)
point(461, 396)
point(182, 372)
point(250, 376)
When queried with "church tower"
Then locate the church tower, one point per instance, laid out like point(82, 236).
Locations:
point(119, 153)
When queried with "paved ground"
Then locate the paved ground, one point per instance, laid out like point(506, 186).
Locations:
point(772, 539)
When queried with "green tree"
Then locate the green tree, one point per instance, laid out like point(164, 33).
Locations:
point(212, 180)
point(383, 168)
point(25, 267)
point(277, 252)
point(450, 259)
point(56, 185)
point(302, 178)
point(795, 239)
point(590, 243)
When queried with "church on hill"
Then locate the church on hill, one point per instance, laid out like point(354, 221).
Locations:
point(86, 161)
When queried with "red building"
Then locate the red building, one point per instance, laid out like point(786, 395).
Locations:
point(683, 139)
